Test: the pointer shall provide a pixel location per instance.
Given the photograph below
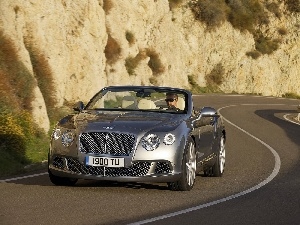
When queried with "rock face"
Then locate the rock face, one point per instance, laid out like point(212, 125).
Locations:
point(87, 45)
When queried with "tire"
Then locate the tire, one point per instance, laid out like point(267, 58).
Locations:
point(187, 180)
point(219, 166)
point(62, 181)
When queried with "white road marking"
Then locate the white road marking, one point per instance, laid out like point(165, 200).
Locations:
point(267, 180)
point(286, 118)
point(23, 177)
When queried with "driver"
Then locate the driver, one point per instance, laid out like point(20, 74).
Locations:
point(171, 100)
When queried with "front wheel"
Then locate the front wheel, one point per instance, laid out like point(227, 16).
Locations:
point(62, 181)
point(187, 180)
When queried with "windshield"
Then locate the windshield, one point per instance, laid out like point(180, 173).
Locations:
point(139, 99)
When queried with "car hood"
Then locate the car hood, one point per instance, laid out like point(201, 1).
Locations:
point(124, 122)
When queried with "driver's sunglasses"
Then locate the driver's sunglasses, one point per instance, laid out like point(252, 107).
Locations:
point(170, 99)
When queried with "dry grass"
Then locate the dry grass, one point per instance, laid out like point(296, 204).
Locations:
point(293, 5)
point(246, 14)
point(155, 63)
point(212, 13)
point(282, 31)
point(242, 14)
point(153, 81)
point(43, 75)
point(16, 88)
point(215, 77)
point(253, 54)
point(132, 62)
point(195, 88)
point(266, 45)
point(21, 142)
point(274, 8)
point(175, 3)
point(130, 37)
point(107, 6)
point(112, 50)
point(291, 95)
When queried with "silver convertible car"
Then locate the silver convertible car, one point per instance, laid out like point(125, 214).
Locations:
point(138, 134)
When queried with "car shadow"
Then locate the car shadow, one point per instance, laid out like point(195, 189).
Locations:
point(291, 130)
point(42, 179)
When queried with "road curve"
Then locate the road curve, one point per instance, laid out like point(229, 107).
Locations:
point(260, 185)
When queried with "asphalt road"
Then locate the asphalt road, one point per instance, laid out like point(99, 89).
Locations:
point(261, 183)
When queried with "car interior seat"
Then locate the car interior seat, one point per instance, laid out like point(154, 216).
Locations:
point(129, 102)
point(146, 104)
point(180, 103)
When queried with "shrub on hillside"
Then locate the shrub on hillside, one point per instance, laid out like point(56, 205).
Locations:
point(212, 13)
point(107, 6)
point(293, 5)
point(130, 37)
point(112, 50)
point(246, 14)
point(274, 8)
point(155, 63)
point(132, 62)
point(266, 45)
point(215, 77)
point(16, 88)
point(174, 3)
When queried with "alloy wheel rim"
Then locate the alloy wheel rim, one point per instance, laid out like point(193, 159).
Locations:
point(222, 155)
point(191, 166)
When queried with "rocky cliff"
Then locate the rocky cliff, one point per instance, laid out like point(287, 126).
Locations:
point(87, 45)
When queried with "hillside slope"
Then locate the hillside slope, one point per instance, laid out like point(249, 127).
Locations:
point(72, 48)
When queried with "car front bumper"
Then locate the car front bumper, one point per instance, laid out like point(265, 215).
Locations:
point(139, 171)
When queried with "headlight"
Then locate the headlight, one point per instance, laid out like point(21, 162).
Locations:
point(67, 138)
point(169, 139)
point(56, 133)
point(150, 142)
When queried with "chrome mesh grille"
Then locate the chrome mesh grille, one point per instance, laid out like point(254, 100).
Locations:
point(58, 162)
point(137, 169)
point(162, 167)
point(117, 144)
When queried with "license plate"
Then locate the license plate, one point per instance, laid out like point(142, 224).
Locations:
point(104, 161)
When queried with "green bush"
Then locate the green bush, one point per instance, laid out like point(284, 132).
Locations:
point(21, 142)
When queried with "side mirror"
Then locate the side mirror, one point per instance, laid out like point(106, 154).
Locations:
point(208, 112)
point(79, 106)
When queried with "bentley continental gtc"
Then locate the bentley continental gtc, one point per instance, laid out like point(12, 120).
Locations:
point(138, 134)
